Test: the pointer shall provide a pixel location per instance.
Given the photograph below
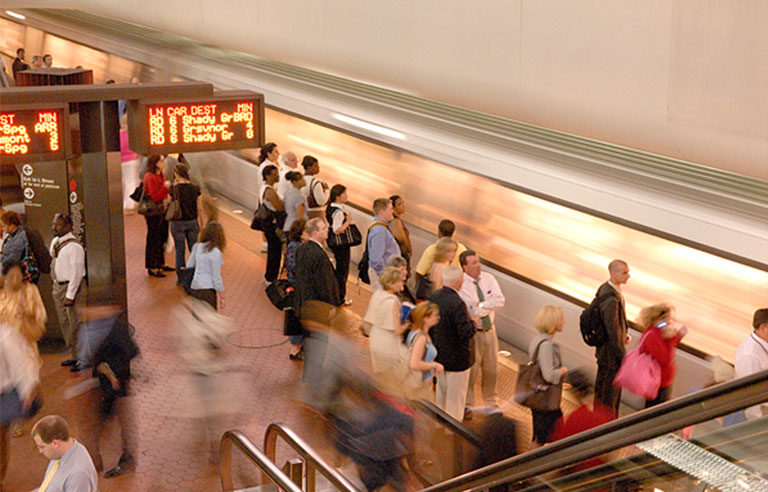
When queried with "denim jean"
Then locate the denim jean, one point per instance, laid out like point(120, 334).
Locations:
point(182, 230)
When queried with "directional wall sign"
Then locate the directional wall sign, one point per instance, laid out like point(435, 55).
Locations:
point(34, 133)
point(228, 120)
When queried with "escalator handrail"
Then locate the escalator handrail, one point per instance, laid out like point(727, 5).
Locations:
point(307, 453)
point(709, 403)
point(237, 438)
point(441, 417)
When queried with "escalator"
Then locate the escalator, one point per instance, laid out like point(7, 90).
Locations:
point(642, 451)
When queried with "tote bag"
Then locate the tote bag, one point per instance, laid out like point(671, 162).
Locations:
point(350, 237)
point(532, 390)
point(639, 373)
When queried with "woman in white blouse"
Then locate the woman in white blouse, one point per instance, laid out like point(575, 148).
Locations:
point(338, 217)
point(384, 315)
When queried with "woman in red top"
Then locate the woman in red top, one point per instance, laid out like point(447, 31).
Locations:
point(157, 226)
point(660, 340)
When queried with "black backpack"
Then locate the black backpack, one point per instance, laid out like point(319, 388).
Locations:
point(362, 265)
point(42, 255)
point(591, 323)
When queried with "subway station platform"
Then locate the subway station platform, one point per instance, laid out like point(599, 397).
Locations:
point(260, 387)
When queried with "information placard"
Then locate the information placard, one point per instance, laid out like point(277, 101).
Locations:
point(229, 120)
point(33, 133)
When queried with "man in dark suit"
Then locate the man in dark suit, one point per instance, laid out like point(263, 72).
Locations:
point(318, 302)
point(315, 277)
point(452, 337)
point(611, 353)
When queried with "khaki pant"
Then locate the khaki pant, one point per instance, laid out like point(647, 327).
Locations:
point(486, 351)
point(68, 322)
point(452, 392)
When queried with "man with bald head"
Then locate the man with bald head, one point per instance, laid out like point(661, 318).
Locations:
point(452, 337)
point(609, 355)
point(289, 162)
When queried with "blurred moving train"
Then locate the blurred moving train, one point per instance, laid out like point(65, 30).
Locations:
point(543, 220)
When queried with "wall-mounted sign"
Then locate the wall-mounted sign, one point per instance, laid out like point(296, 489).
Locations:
point(33, 133)
point(229, 120)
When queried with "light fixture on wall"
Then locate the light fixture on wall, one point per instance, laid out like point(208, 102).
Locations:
point(381, 130)
point(15, 15)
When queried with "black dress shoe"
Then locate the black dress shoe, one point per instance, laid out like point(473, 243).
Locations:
point(79, 366)
point(69, 362)
point(166, 268)
point(117, 471)
point(155, 273)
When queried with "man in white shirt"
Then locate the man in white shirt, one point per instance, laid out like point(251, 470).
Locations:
point(752, 357)
point(71, 468)
point(67, 272)
point(289, 163)
point(316, 191)
point(483, 297)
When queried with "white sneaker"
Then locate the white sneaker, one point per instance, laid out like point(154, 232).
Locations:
point(347, 302)
point(264, 247)
point(267, 283)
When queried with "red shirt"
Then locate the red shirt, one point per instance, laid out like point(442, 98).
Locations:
point(581, 419)
point(154, 186)
point(663, 351)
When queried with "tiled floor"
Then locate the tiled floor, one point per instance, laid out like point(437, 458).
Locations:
point(259, 388)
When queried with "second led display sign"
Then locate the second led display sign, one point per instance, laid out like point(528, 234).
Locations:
point(229, 120)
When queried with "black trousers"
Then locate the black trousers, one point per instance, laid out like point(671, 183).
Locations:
point(205, 295)
point(274, 254)
point(664, 394)
point(605, 391)
point(157, 235)
point(543, 422)
point(342, 268)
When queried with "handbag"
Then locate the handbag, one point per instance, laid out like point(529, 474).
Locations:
point(30, 271)
point(402, 371)
point(147, 206)
point(136, 195)
point(173, 212)
point(423, 288)
point(532, 390)
point(280, 293)
point(351, 236)
point(12, 408)
point(639, 373)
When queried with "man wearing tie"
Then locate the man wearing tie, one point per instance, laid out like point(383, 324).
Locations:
point(482, 295)
point(71, 468)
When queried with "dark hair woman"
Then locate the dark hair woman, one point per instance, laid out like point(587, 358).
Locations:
point(399, 231)
point(337, 215)
point(187, 227)
point(206, 258)
point(157, 226)
point(269, 196)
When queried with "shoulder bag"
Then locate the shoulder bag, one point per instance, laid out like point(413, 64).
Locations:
point(423, 288)
point(639, 373)
point(351, 236)
point(173, 212)
point(280, 293)
point(147, 206)
point(532, 390)
point(30, 271)
point(402, 371)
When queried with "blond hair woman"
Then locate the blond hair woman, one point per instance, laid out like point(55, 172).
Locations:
point(22, 307)
point(549, 322)
point(445, 252)
point(384, 315)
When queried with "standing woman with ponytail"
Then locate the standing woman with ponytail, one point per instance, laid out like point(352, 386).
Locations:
point(338, 217)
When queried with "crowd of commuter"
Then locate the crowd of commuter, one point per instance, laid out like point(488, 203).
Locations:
point(436, 341)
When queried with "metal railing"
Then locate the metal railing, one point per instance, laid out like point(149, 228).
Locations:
point(269, 470)
point(718, 400)
point(313, 462)
point(709, 403)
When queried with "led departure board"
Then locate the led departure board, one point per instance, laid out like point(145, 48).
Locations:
point(229, 120)
point(33, 134)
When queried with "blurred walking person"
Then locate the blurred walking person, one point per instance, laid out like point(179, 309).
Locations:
point(207, 259)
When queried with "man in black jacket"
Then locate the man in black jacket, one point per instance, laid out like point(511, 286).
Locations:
point(318, 302)
point(611, 353)
point(452, 337)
